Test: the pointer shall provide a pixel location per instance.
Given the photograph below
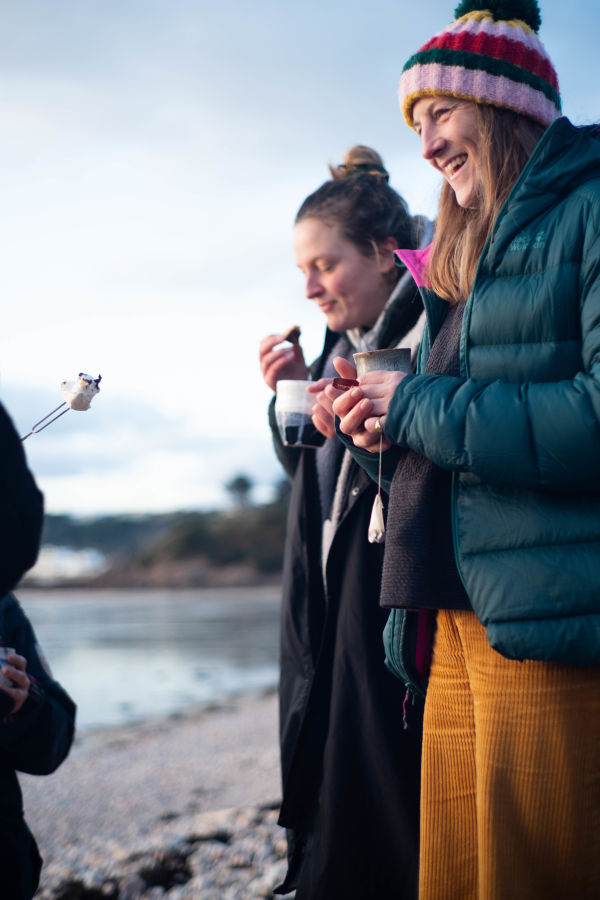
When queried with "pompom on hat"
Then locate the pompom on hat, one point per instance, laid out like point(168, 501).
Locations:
point(489, 55)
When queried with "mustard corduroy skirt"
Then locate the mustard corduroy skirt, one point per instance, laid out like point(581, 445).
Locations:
point(510, 796)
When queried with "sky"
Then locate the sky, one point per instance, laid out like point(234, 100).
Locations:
point(153, 156)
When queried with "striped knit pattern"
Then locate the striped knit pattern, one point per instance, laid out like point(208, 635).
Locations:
point(478, 58)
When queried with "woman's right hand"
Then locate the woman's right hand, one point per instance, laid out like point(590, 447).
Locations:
point(363, 410)
point(355, 411)
point(15, 669)
point(287, 362)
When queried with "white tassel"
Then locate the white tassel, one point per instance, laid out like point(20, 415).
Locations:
point(377, 525)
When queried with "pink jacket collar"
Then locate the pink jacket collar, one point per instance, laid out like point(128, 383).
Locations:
point(416, 263)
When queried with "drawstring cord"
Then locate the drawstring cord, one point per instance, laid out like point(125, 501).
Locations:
point(377, 523)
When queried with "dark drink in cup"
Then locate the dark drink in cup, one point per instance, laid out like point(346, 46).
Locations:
point(293, 412)
point(301, 435)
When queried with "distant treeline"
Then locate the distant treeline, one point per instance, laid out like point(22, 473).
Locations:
point(247, 534)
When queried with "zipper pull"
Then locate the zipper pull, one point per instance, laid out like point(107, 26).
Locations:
point(404, 709)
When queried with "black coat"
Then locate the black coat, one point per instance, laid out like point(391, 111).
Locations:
point(21, 509)
point(350, 772)
point(35, 740)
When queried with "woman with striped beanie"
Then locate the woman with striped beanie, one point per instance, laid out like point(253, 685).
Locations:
point(492, 449)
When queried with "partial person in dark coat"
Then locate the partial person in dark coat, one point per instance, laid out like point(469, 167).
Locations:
point(37, 719)
point(350, 772)
point(36, 716)
point(21, 509)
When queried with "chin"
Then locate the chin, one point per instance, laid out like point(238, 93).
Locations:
point(336, 324)
point(466, 197)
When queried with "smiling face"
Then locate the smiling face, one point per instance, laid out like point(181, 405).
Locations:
point(350, 288)
point(450, 137)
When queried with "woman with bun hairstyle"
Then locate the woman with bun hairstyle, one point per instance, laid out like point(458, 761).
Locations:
point(350, 773)
point(493, 529)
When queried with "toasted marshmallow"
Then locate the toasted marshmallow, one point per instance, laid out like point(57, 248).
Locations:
point(79, 394)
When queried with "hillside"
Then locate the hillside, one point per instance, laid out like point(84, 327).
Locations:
point(242, 545)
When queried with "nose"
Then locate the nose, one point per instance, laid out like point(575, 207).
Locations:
point(313, 286)
point(431, 141)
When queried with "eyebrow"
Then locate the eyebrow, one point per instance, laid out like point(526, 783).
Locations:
point(440, 98)
point(315, 260)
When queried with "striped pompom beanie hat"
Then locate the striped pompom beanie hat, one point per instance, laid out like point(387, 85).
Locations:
point(490, 55)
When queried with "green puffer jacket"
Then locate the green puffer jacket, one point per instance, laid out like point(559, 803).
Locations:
point(520, 428)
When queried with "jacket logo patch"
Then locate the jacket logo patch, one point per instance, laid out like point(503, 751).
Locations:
point(528, 242)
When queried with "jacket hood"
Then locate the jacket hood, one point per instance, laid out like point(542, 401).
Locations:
point(565, 157)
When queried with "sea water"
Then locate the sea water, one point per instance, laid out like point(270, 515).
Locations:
point(128, 655)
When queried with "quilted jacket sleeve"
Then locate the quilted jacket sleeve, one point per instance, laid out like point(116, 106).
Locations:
point(531, 434)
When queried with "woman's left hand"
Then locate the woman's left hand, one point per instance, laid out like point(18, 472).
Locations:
point(15, 670)
point(363, 410)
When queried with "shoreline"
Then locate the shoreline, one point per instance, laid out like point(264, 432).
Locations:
point(192, 785)
point(97, 735)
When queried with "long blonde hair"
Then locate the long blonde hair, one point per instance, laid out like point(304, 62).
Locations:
point(506, 141)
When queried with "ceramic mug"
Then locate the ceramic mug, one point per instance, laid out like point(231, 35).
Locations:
point(397, 359)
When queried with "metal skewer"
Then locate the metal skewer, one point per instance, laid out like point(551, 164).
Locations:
point(36, 430)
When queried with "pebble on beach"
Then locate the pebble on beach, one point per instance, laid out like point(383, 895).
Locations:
point(236, 854)
point(179, 808)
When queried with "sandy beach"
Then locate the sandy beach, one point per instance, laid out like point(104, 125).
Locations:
point(172, 786)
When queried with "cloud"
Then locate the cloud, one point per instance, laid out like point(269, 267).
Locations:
point(153, 157)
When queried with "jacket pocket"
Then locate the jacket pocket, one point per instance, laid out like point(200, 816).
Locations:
point(407, 640)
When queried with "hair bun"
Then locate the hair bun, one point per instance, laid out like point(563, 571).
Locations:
point(360, 160)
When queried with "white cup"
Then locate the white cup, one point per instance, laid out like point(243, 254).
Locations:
point(293, 412)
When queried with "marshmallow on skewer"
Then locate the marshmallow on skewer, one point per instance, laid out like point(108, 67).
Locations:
point(79, 394)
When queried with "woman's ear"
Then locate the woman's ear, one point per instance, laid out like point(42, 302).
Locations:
point(386, 255)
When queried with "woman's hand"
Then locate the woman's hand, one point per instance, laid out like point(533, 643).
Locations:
point(15, 670)
point(322, 412)
point(352, 406)
point(287, 362)
point(363, 410)
point(354, 410)
point(323, 415)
